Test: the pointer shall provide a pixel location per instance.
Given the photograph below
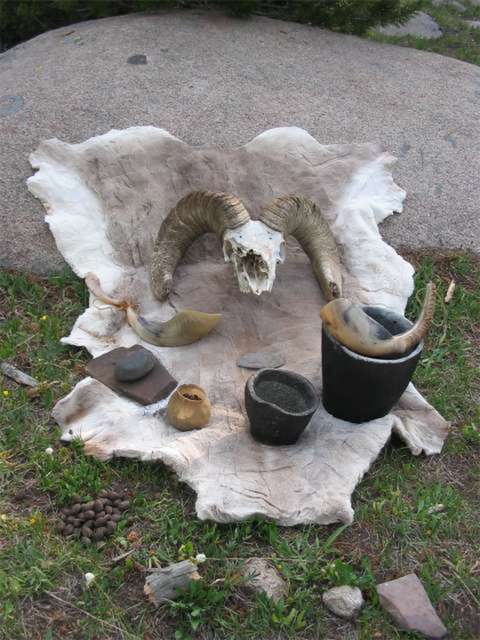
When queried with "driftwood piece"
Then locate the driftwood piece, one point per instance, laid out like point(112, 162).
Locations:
point(15, 374)
point(164, 584)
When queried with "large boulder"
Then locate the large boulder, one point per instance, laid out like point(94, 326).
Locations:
point(208, 78)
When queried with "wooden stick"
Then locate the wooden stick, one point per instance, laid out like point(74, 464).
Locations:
point(450, 291)
point(15, 374)
point(163, 584)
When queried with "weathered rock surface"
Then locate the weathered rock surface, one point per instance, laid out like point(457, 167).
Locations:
point(420, 24)
point(262, 360)
point(407, 602)
point(76, 82)
point(262, 577)
point(343, 601)
point(473, 23)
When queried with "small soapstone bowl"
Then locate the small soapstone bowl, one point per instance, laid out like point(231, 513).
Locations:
point(279, 405)
point(189, 408)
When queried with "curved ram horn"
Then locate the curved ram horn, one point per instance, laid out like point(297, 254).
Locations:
point(184, 328)
point(198, 213)
point(301, 218)
point(352, 327)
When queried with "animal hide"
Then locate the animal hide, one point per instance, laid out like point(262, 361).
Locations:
point(105, 199)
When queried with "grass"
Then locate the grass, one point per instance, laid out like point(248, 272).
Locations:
point(396, 530)
point(459, 40)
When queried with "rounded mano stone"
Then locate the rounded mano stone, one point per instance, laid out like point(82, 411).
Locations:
point(134, 366)
point(212, 79)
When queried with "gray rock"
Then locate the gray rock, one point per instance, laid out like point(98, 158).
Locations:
point(473, 23)
point(352, 90)
point(343, 601)
point(261, 360)
point(420, 24)
point(407, 602)
point(135, 366)
point(262, 577)
point(449, 3)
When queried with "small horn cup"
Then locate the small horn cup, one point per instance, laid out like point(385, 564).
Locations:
point(357, 388)
point(279, 405)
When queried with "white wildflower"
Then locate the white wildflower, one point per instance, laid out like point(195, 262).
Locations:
point(49, 451)
point(89, 578)
point(200, 557)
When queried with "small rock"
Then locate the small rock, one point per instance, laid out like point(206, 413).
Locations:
point(407, 602)
point(449, 3)
point(262, 577)
point(261, 360)
point(437, 508)
point(134, 366)
point(473, 23)
point(343, 601)
point(420, 24)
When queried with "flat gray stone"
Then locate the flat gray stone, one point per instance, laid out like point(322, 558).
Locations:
point(234, 80)
point(343, 601)
point(407, 602)
point(473, 23)
point(262, 360)
point(420, 24)
point(262, 577)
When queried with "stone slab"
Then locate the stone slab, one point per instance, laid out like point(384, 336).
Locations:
point(407, 602)
point(155, 386)
point(213, 79)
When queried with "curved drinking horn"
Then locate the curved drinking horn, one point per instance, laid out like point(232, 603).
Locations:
point(301, 218)
point(184, 328)
point(198, 213)
point(353, 328)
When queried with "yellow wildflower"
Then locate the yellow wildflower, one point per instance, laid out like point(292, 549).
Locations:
point(5, 393)
point(44, 317)
point(33, 520)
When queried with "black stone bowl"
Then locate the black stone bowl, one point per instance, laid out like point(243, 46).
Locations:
point(357, 388)
point(279, 404)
